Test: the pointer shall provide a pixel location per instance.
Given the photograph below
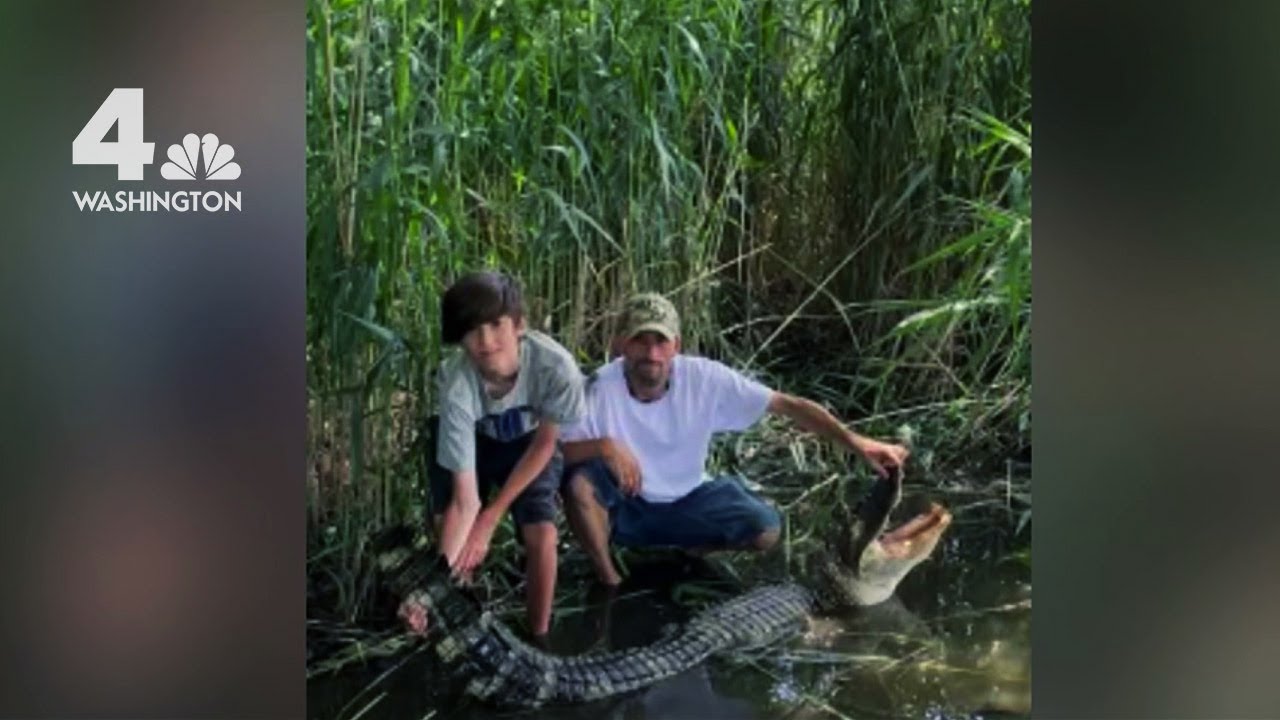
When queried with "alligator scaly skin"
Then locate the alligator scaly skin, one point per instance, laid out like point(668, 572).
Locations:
point(501, 669)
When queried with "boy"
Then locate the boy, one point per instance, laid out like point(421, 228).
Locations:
point(502, 401)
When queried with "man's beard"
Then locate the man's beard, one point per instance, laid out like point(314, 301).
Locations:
point(648, 375)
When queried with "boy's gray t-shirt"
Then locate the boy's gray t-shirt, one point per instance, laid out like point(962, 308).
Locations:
point(549, 385)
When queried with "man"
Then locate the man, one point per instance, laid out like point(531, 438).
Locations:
point(637, 458)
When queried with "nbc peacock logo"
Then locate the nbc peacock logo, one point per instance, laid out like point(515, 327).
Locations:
point(216, 157)
point(196, 158)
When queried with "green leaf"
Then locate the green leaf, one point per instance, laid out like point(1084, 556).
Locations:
point(381, 332)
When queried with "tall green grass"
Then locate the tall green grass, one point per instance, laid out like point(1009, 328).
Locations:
point(836, 195)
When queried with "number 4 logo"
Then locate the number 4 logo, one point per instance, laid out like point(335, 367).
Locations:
point(129, 153)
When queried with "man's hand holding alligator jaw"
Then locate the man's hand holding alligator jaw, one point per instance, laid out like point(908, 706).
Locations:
point(881, 456)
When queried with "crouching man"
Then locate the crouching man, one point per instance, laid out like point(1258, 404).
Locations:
point(636, 460)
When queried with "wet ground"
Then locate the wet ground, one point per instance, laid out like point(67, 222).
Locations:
point(954, 642)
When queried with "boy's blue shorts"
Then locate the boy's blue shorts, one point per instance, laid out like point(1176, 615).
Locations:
point(494, 462)
point(719, 513)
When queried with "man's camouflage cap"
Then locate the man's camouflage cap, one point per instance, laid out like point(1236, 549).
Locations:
point(650, 312)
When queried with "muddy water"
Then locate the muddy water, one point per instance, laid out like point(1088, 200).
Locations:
point(953, 643)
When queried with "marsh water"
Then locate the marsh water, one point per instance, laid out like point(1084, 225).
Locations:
point(954, 642)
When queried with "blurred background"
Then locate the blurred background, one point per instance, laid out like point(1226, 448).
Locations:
point(152, 446)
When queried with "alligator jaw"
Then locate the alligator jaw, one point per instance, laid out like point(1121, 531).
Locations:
point(871, 516)
point(922, 530)
point(877, 559)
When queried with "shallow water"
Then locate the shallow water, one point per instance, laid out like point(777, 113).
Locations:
point(954, 642)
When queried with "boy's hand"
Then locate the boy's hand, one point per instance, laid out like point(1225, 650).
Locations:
point(624, 466)
point(477, 544)
point(881, 455)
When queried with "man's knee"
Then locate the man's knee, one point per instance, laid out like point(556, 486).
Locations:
point(580, 490)
point(765, 527)
point(766, 539)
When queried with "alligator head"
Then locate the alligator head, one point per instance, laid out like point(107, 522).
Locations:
point(867, 560)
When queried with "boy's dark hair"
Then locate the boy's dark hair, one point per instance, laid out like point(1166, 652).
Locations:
point(475, 299)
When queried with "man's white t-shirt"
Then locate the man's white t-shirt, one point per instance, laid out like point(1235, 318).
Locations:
point(670, 436)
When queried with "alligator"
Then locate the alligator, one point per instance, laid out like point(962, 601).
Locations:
point(862, 565)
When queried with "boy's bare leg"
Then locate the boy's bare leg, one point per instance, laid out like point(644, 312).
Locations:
point(540, 574)
point(590, 524)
